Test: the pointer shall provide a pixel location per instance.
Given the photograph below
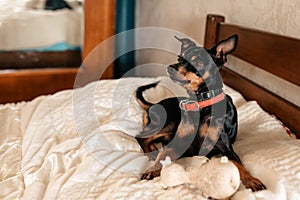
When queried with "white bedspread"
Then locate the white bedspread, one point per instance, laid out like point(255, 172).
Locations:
point(78, 144)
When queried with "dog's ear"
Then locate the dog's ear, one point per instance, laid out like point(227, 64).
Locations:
point(220, 50)
point(185, 45)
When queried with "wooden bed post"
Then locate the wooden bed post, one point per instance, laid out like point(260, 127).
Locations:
point(99, 24)
point(211, 29)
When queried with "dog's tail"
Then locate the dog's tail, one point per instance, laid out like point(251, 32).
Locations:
point(139, 95)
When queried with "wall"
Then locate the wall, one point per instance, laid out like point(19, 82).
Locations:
point(188, 17)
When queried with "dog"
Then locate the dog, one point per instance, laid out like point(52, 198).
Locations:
point(205, 123)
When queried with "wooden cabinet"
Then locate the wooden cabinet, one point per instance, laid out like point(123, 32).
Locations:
point(24, 85)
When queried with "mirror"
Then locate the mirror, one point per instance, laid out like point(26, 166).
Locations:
point(41, 33)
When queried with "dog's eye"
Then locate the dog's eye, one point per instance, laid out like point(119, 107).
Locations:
point(180, 59)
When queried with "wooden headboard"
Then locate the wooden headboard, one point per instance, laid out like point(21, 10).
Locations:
point(273, 53)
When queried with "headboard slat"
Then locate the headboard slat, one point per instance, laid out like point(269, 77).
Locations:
point(273, 53)
point(212, 23)
point(287, 112)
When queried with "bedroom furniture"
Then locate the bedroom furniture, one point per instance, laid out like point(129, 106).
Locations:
point(34, 60)
point(32, 36)
point(24, 85)
point(271, 52)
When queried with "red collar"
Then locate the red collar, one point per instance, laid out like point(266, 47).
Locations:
point(190, 105)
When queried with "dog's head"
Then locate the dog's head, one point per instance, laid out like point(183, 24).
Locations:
point(197, 68)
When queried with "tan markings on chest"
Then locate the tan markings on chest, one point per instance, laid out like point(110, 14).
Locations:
point(186, 128)
point(212, 132)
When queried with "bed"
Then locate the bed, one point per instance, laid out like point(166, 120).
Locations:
point(24, 25)
point(79, 144)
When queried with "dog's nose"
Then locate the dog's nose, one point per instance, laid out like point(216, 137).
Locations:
point(171, 69)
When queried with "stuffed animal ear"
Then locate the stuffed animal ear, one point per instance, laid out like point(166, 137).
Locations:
point(185, 44)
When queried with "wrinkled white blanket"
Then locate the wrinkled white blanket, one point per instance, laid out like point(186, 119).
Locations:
point(78, 144)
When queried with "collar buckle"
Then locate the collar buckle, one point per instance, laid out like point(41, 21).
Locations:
point(208, 95)
point(190, 105)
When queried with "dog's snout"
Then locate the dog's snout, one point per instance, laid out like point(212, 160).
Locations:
point(171, 69)
point(174, 66)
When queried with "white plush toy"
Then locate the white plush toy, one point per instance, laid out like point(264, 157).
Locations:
point(217, 178)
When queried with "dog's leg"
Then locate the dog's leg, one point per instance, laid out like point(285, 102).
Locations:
point(247, 179)
point(149, 144)
point(227, 150)
point(154, 171)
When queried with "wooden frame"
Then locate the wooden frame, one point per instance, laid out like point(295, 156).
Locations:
point(99, 25)
point(27, 84)
point(38, 60)
point(24, 85)
point(272, 55)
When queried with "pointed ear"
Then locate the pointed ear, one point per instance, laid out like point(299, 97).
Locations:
point(225, 47)
point(185, 44)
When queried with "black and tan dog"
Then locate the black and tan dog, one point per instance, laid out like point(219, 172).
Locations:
point(205, 123)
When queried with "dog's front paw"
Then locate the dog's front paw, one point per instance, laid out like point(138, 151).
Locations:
point(254, 184)
point(150, 175)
